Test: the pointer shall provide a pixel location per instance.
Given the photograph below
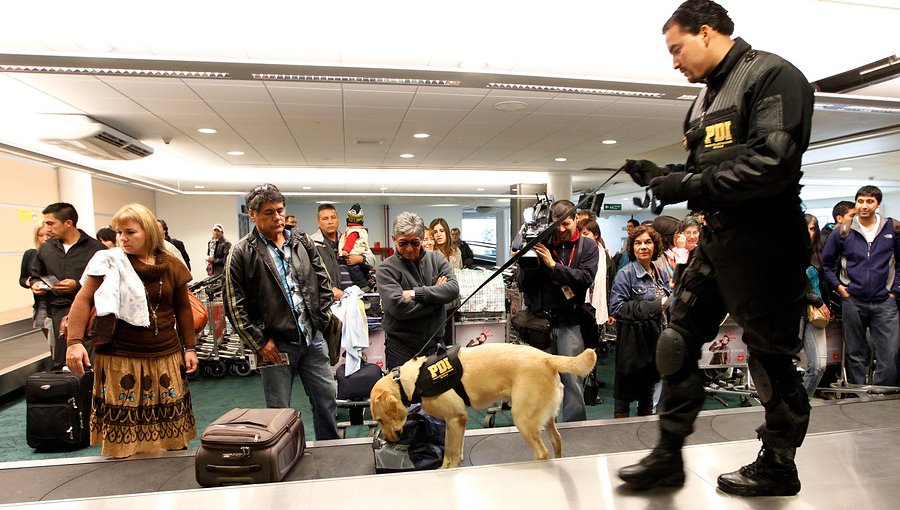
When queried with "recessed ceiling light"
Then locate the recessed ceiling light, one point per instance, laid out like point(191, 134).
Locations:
point(609, 142)
point(845, 169)
point(421, 135)
point(479, 189)
point(560, 159)
point(510, 106)
point(96, 46)
point(207, 131)
point(235, 153)
point(307, 187)
point(407, 156)
point(199, 187)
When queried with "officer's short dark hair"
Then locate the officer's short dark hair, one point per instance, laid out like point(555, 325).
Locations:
point(841, 208)
point(262, 194)
point(325, 207)
point(63, 212)
point(559, 209)
point(869, 191)
point(693, 14)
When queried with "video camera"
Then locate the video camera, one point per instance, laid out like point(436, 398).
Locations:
point(532, 228)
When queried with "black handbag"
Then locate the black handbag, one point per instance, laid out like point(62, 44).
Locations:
point(333, 331)
point(533, 328)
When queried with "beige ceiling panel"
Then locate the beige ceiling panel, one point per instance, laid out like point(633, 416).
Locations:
point(163, 107)
point(151, 88)
point(305, 111)
point(213, 90)
point(568, 106)
point(310, 96)
point(359, 112)
point(229, 109)
point(446, 101)
point(66, 86)
point(494, 116)
point(380, 99)
point(189, 123)
point(113, 105)
point(632, 109)
point(429, 117)
point(357, 128)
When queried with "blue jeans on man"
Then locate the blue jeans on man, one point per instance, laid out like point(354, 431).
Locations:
point(312, 364)
point(881, 320)
point(566, 341)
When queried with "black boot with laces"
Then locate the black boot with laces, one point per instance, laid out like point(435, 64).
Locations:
point(662, 468)
point(773, 473)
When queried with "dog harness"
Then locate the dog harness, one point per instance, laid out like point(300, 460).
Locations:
point(441, 372)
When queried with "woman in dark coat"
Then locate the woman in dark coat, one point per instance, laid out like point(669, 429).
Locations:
point(638, 301)
point(39, 310)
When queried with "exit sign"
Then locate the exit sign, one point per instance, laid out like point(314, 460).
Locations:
point(612, 207)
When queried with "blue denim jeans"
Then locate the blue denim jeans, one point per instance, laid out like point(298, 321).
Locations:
point(311, 363)
point(883, 324)
point(566, 341)
point(816, 356)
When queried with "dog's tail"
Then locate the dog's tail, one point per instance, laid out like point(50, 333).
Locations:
point(580, 365)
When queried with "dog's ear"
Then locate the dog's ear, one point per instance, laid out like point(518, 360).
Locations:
point(395, 409)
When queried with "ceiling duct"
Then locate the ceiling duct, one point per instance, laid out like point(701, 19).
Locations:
point(879, 71)
point(93, 139)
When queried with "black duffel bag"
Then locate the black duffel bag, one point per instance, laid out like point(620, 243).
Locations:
point(419, 448)
point(533, 328)
point(357, 385)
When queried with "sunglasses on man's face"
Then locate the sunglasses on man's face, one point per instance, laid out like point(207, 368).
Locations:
point(415, 243)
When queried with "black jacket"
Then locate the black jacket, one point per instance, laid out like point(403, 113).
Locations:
point(746, 138)
point(256, 303)
point(25, 271)
point(53, 260)
point(413, 321)
point(223, 246)
point(543, 289)
point(184, 254)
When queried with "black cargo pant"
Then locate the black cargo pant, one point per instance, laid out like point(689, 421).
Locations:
point(757, 274)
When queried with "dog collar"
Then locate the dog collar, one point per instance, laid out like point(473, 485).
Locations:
point(395, 376)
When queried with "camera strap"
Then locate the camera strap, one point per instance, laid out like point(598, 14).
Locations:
point(544, 235)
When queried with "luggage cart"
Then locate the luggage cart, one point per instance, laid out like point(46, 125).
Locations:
point(219, 350)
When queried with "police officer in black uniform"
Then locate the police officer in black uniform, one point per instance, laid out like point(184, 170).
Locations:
point(745, 134)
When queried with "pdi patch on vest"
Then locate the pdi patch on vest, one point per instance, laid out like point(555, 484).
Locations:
point(718, 135)
point(440, 373)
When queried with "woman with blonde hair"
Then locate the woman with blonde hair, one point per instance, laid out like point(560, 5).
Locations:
point(442, 243)
point(141, 398)
point(39, 310)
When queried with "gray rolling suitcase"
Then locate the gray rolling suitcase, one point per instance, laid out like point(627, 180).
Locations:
point(250, 446)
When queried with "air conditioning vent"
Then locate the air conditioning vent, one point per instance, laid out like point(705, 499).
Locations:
point(90, 138)
point(368, 142)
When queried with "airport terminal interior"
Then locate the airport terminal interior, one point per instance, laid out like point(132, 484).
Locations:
point(470, 112)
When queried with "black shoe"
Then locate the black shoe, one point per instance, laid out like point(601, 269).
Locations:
point(662, 468)
point(773, 473)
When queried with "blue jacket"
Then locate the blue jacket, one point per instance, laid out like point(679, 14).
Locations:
point(633, 284)
point(869, 271)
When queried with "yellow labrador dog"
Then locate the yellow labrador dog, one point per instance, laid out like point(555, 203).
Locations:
point(525, 377)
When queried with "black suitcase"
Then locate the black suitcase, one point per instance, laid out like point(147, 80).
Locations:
point(357, 385)
point(58, 410)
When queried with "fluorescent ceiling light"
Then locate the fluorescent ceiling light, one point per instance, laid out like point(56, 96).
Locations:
point(421, 135)
point(444, 205)
point(235, 153)
point(307, 187)
point(112, 72)
point(609, 142)
point(845, 169)
point(207, 131)
point(383, 188)
point(353, 79)
point(199, 187)
point(407, 156)
point(479, 189)
point(687, 97)
point(574, 90)
point(560, 159)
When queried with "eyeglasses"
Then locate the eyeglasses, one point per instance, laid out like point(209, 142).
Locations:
point(415, 243)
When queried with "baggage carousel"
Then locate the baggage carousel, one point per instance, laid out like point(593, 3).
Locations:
point(851, 458)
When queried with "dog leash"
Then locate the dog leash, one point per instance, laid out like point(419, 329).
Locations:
point(547, 232)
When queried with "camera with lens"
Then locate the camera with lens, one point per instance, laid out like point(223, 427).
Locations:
point(534, 225)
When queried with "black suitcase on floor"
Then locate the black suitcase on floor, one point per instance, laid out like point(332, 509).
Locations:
point(58, 410)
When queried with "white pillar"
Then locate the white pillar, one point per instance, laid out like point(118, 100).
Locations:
point(559, 185)
point(77, 189)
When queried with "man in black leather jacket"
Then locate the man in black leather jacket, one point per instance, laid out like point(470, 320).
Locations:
point(278, 298)
point(745, 133)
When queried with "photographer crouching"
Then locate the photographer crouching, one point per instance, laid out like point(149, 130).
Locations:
point(555, 287)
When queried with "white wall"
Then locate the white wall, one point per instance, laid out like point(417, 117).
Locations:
point(190, 219)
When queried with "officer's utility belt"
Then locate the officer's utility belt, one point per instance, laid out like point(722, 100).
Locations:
point(441, 372)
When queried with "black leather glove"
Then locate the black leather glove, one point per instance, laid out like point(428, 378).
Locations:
point(643, 171)
point(671, 188)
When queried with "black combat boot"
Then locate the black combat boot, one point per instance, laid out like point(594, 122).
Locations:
point(773, 473)
point(662, 468)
